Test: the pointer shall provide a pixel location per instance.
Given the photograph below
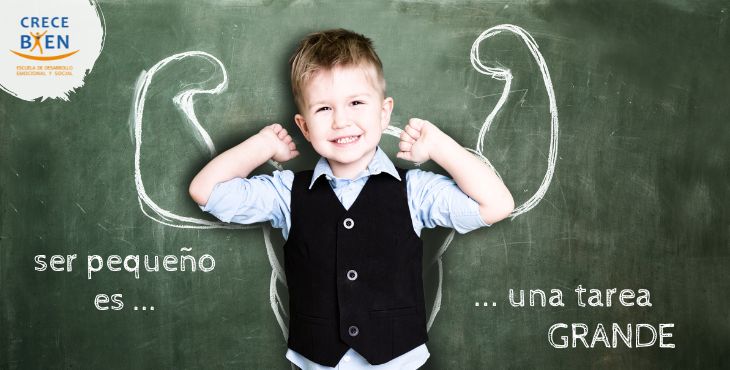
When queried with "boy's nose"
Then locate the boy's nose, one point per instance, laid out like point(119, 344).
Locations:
point(340, 120)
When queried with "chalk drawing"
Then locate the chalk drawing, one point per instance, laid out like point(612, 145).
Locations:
point(505, 75)
point(184, 101)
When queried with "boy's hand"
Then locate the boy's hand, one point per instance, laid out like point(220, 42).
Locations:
point(418, 140)
point(272, 142)
point(281, 142)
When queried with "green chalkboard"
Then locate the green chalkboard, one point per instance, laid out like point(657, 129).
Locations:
point(620, 161)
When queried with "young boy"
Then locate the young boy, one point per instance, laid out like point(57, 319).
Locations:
point(353, 253)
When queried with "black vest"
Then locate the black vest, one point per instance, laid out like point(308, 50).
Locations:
point(354, 276)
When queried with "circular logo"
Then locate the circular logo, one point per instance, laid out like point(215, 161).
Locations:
point(47, 47)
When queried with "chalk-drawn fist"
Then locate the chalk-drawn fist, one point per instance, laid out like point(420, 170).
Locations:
point(282, 143)
point(417, 140)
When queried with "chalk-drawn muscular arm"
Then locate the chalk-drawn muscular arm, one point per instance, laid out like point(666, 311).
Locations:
point(421, 140)
point(272, 142)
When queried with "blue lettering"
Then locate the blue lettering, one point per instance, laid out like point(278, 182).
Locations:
point(62, 41)
point(56, 42)
point(24, 41)
point(44, 22)
point(49, 42)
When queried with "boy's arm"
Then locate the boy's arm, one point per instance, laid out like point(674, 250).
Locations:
point(421, 141)
point(272, 142)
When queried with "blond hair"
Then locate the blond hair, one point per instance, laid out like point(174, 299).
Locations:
point(327, 49)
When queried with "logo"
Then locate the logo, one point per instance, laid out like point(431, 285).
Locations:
point(55, 41)
point(48, 47)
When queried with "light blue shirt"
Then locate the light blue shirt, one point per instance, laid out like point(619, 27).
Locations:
point(433, 200)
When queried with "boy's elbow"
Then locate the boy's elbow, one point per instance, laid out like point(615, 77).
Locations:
point(494, 213)
point(198, 194)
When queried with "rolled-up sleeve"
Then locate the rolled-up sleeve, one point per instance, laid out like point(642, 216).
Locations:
point(436, 200)
point(256, 199)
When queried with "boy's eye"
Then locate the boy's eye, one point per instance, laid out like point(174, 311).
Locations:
point(322, 109)
point(357, 102)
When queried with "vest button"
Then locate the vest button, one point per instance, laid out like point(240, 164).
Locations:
point(353, 331)
point(348, 223)
point(352, 275)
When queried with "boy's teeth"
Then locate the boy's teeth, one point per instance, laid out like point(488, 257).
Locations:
point(346, 140)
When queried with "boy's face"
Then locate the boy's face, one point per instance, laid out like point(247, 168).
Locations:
point(343, 115)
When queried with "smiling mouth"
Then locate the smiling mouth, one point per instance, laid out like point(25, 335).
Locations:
point(346, 139)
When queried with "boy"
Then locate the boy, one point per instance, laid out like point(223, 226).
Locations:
point(353, 251)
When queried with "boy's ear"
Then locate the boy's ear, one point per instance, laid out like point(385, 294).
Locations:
point(302, 124)
point(385, 112)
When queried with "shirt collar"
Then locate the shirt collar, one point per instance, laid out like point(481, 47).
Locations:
point(380, 163)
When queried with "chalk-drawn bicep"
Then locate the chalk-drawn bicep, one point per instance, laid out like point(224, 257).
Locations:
point(503, 74)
